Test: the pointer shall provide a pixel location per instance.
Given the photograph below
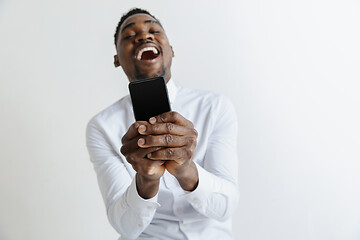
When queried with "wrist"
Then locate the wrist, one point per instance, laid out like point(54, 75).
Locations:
point(147, 188)
point(189, 178)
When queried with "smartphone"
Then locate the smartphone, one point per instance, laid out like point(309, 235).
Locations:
point(149, 98)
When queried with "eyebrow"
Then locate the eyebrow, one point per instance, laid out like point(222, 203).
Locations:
point(133, 23)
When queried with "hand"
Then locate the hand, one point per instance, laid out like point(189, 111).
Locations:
point(177, 138)
point(148, 171)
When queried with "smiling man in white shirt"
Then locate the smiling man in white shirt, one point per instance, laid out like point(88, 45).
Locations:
point(174, 176)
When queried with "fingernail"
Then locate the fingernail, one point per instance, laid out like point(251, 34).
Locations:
point(141, 141)
point(142, 128)
point(152, 120)
point(136, 125)
point(149, 155)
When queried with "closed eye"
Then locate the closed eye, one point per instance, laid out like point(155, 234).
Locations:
point(128, 37)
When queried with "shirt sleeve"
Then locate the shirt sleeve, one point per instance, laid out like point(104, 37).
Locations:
point(127, 212)
point(216, 195)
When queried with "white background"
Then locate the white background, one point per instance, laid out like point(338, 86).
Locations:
point(290, 67)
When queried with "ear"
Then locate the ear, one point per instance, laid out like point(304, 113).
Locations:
point(116, 61)
point(172, 50)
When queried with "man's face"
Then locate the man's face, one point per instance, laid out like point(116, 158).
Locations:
point(143, 50)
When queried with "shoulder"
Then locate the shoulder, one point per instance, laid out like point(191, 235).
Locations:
point(114, 111)
point(215, 101)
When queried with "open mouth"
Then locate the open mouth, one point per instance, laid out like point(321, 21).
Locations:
point(147, 53)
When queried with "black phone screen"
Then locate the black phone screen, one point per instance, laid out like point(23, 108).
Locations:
point(149, 98)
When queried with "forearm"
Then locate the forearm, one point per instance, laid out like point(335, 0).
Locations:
point(214, 197)
point(130, 214)
point(127, 211)
point(217, 193)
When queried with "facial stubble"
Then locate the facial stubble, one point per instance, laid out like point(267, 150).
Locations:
point(139, 74)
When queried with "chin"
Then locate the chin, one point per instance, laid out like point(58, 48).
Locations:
point(149, 74)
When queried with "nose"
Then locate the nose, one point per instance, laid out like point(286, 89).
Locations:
point(144, 37)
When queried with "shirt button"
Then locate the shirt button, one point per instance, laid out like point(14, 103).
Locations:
point(178, 209)
point(140, 225)
point(149, 207)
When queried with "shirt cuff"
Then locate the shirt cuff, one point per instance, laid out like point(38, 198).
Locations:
point(144, 207)
point(207, 185)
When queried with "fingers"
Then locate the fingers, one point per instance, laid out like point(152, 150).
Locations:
point(166, 140)
point(144, 142)
point(140, 153)
point(151, 169)
point(177, 154)
point(130, 146)
point(166, 128)
point(171, 117)
point(148, 145)
point(132, 131)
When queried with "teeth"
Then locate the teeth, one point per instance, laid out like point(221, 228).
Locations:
point(155, 51)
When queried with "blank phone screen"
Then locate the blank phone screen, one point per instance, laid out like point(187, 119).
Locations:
point(149, 98)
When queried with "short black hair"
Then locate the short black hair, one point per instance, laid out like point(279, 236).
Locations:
point(127, 15)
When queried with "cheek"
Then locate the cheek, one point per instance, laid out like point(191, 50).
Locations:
point(126, 49)
point(168, 55)
point(125, 55)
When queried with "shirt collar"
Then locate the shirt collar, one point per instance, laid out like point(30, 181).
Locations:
point(172, 90)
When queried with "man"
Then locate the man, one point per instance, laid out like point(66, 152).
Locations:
point(162, 179)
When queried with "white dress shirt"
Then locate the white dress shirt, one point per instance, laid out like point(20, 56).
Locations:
point(173, 213)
